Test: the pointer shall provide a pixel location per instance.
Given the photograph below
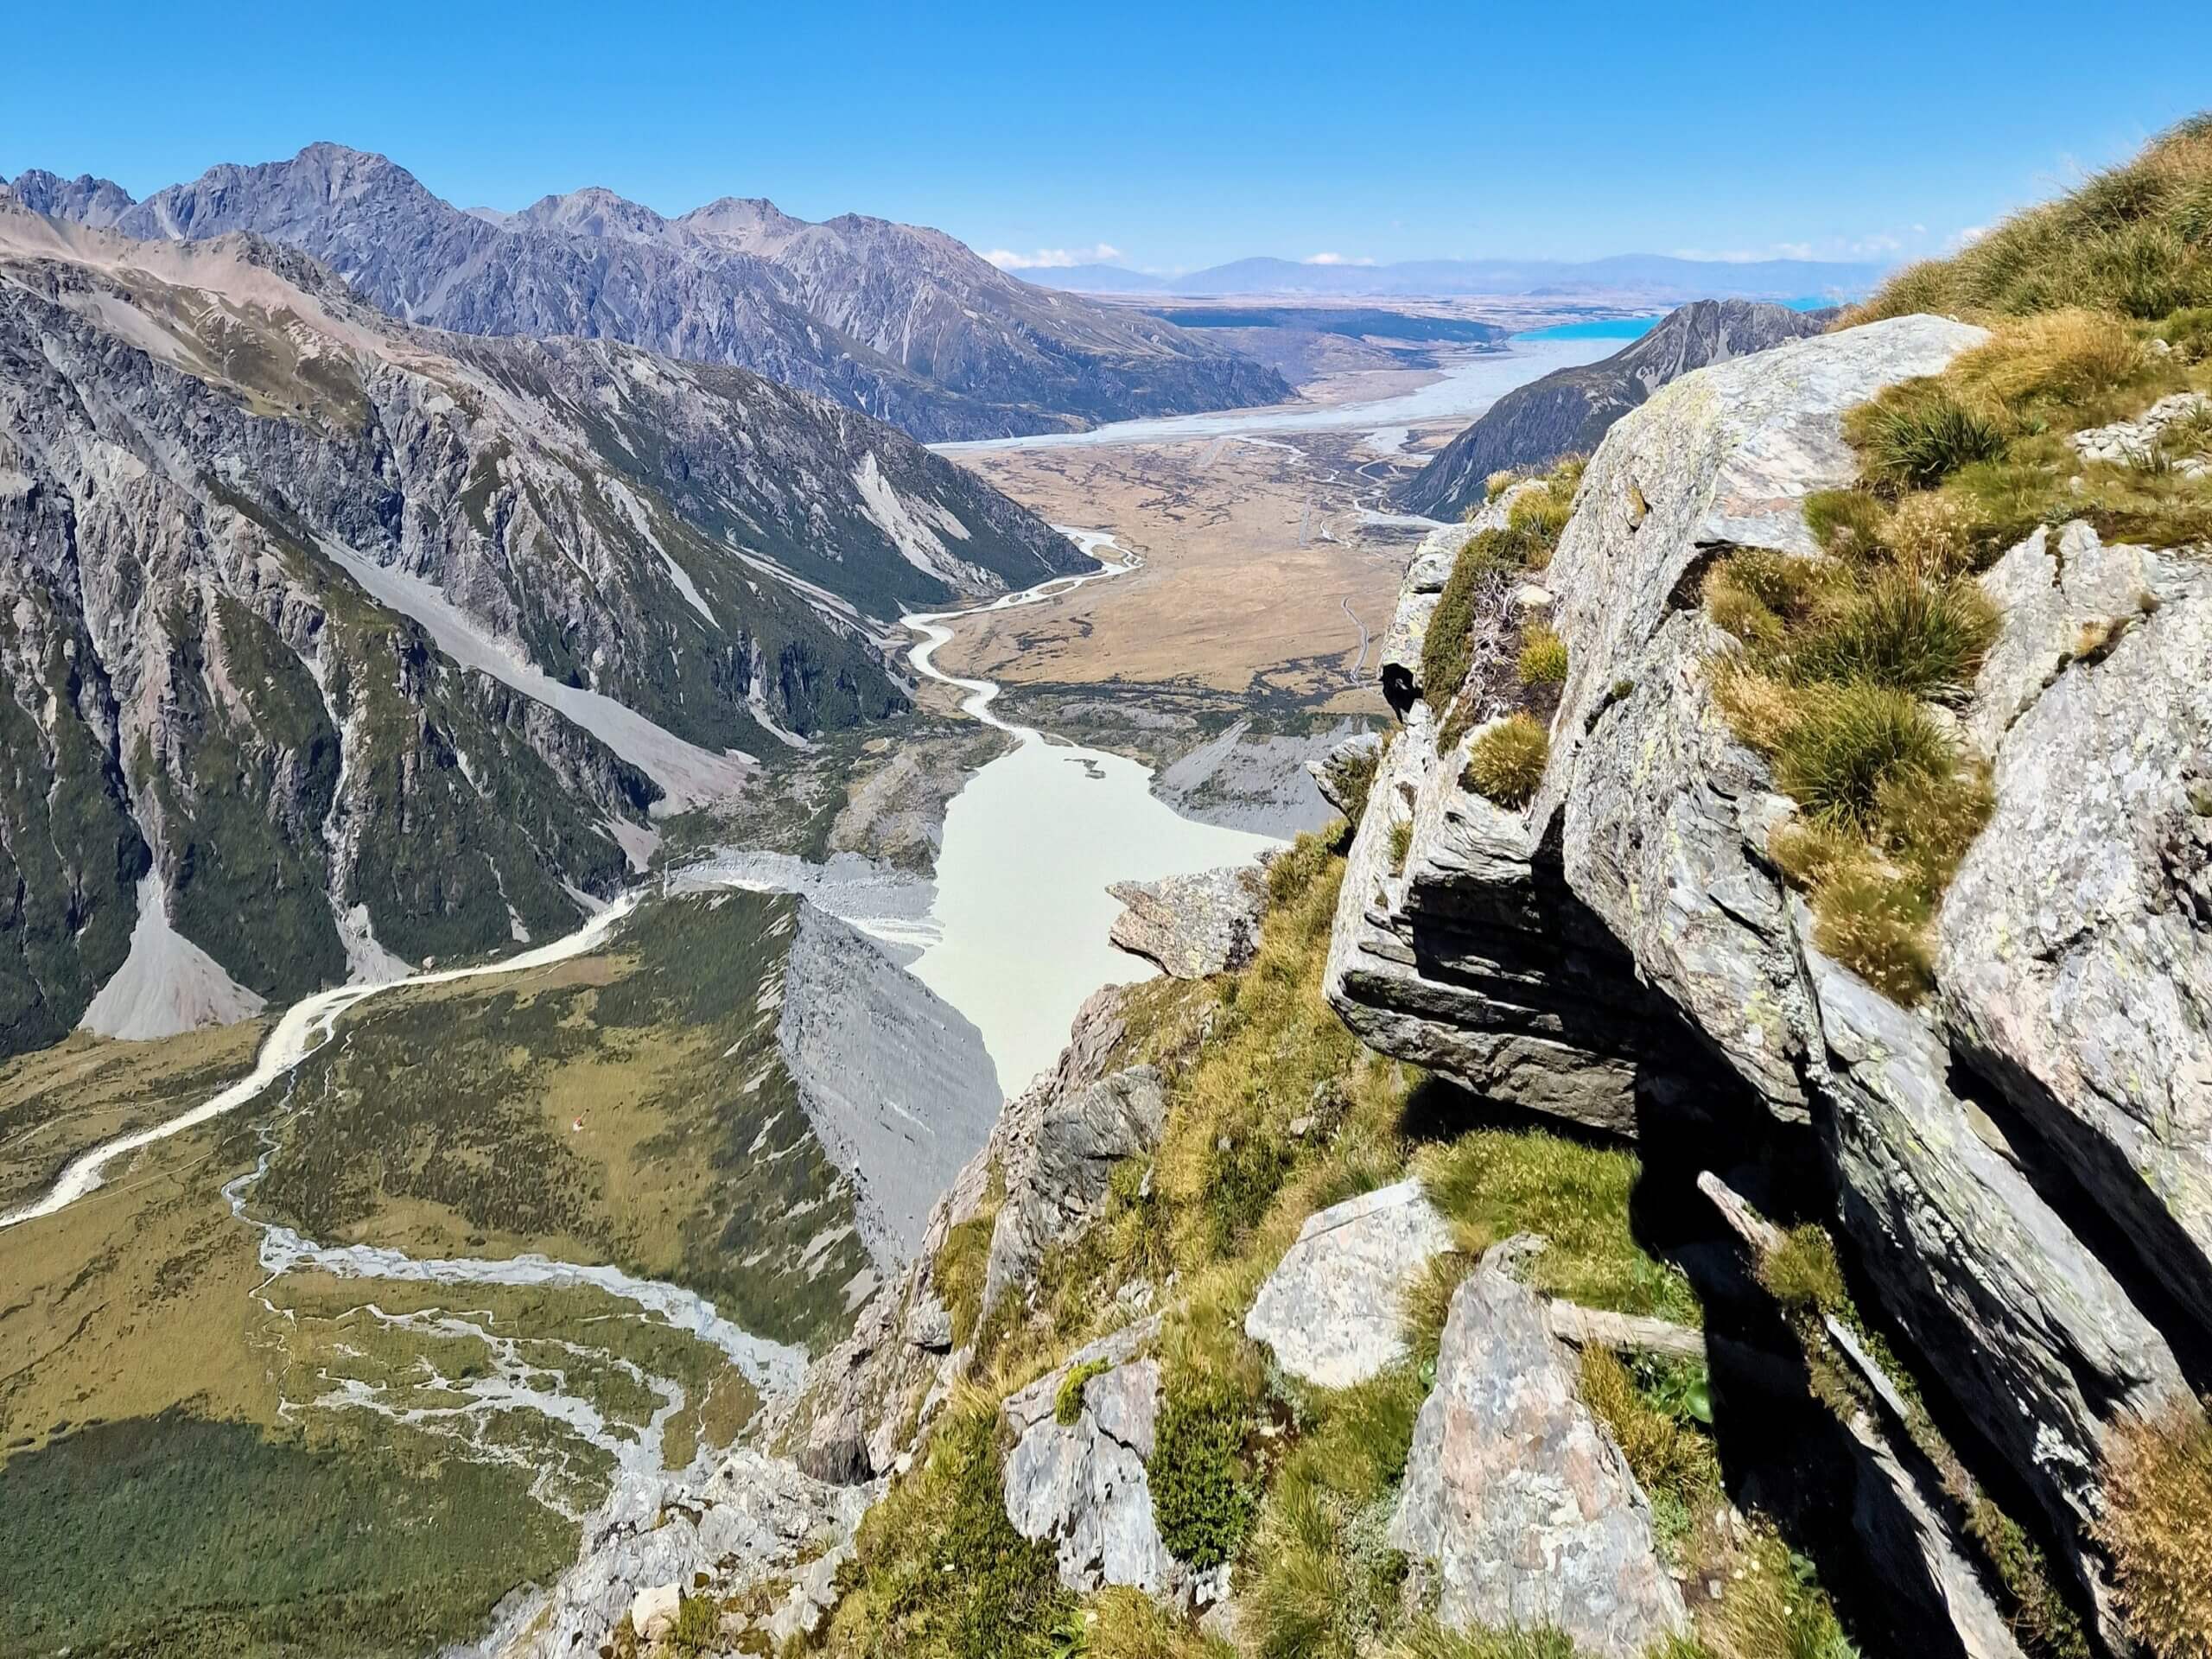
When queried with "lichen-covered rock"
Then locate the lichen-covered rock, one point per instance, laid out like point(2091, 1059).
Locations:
point(1193, 926)
point(2075, 957)
point(1332, 1311)
point(2128, 443)
point(1521, 1506)
point(1082, 1485)
point(1058, 1147)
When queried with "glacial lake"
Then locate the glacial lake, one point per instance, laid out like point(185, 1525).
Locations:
point(1031, 844)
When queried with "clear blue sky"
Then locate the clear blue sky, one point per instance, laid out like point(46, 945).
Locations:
point(1177, 134)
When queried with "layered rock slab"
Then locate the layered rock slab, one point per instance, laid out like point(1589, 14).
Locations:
point(1193, 926)
point(1523, 1509)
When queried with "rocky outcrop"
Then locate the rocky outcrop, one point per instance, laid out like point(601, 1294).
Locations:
point(1520, 1507)
point(1333, 1312)
point(1192, 925)
point(895, 319)
point(2133, 443)
point(867, 1402)
point(896, 1082)
point(1057, 1147)
point(1080, 1484)
point(2012, 1160)
point(1568, 411)
point(754, 1521)
point(2075, 946)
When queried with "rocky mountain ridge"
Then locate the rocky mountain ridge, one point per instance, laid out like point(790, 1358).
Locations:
point(902, 323)
point(1567, 411)
point(397, 639)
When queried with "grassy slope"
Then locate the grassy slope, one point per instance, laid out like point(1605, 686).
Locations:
point(443, 1123)
point(1294, 1484)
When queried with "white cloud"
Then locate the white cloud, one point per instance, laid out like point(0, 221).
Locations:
point(1335, 259)
point(1103, 253)
point(1966, 237)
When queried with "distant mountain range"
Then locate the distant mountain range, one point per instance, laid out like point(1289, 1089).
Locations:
point(1567, 411)
point(1651, 276)
point(395, 640)
point(902, 323)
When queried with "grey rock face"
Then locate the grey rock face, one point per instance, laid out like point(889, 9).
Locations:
point(1333, 1311)
point(1192, 925)
point(1567, 412)
point(874, 1396)
point(2129, 442)
point(1082, 1485)
point(896, 1082)
point(1356, 753)
point(1057, 1148)
point(2076, 943)
point(1525, 1508)
point(1635, 898)
point(901, 322)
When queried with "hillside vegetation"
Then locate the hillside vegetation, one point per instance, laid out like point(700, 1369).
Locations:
point(2099, 307)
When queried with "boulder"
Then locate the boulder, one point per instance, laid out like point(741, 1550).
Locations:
point(1192, 925)
point(1516, 1502)
point(1333, 1311)
point(653, 1611)
point(1082, 1485)
point(1355, 754)
point(1057, 1147)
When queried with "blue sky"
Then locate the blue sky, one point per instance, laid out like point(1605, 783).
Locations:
point(1176, 135)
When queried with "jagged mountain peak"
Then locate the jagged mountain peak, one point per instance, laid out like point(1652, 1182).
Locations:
point(904, 323)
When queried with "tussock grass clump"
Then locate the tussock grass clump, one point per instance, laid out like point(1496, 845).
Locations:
point(1067, 1403)
point(2159, 1495)
point(1845, 742)
point(1901, 633)
point(1916, 435)
point(1401, 844)
point(2135, 241)
point(939, 1572)
point(1491, 1184)
point(1543, 658)
point(1507, 762)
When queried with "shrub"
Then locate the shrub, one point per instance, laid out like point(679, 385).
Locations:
point(1916, 435)
point(1900, 631)
point(1067, 1404)
point(1203, 1493)
point(1543, 658)
point(1507, 762)
point(1835, 755)
point(2158, 1493)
